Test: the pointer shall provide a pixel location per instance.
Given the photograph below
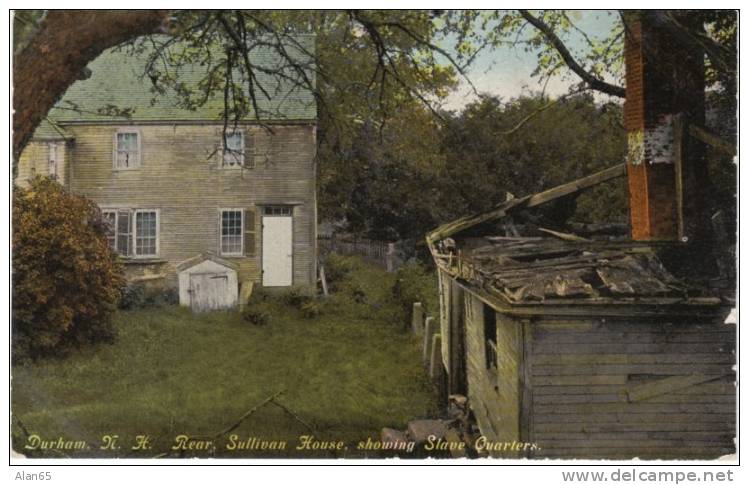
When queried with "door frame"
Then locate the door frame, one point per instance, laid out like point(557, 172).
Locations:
point(263, 207)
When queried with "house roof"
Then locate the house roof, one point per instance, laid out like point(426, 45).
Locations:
point(118, 85)
point(50, 130)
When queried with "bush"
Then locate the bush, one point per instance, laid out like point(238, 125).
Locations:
point(66, 279)
point(416, 282)
point(132, 297)
point(312, 309)
point(337, 269)
point(256, 315)
point(138, 295)
point(296, 296)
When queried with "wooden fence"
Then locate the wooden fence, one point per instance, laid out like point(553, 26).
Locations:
point(380, 252)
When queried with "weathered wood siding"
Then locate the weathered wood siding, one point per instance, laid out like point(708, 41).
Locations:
point(35, 161)
point(582, 372)
point(494, 394)
point(445, 314)
point(180, 175)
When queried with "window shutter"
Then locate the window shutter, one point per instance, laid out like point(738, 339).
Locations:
point(249, 152)
point(249, 232)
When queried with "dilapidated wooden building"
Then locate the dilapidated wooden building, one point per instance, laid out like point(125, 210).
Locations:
point(177, 185)
point(587, 348)
point(589, 345)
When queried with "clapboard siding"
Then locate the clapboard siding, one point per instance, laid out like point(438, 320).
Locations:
point(582, 371)
point(445, 286)
point(494, 393)
point(35, 161)
point(180, 175)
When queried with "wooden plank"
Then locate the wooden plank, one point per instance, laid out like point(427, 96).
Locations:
point(577, 185)
point(642, 452)
point(563, 235)
point(616, 397)
point(627, 369)
point(623, 347)
point(464, 223)
point(323, 280)
point(557, 326)
point(634, 408)
point(710, 138)
point(725, 385)
point(650, 389)
point(586, 359)
point(724, 437)
point(580, 380)
point(679, 131)
point(605, 336)
point(565, 427)
point(526, 384)
point(635, 444)
point(652, 417)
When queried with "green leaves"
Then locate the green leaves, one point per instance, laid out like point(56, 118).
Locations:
point(66, 279)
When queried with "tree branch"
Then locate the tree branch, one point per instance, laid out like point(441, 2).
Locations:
point(65, 43)
point(594, 82)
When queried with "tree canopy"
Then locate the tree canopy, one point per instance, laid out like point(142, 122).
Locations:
point(380, 78)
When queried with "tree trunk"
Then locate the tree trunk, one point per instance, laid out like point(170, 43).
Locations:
point(57, 54)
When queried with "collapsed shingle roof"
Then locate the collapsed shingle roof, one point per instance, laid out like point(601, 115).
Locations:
point(525, 269)
point(529, 268)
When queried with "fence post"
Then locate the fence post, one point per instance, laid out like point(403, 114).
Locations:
point(389, 257)
point(435, 359)
point(417, 318)
point(429, 330)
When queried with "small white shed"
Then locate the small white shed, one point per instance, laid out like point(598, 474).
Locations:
point(208, 282)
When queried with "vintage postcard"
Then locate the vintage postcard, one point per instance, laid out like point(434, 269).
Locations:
point(473, 235)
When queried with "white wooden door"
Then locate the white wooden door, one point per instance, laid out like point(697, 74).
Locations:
point(209, 291)
point(277, 251)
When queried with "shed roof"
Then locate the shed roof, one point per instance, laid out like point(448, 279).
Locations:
point(529, 268)
point(542, 269)
point(118, 83)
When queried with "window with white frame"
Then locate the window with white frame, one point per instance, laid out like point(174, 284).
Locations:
point(146, 232)
point(133, 232)
point(127, 149)
point(233, 150)
point(232, 230)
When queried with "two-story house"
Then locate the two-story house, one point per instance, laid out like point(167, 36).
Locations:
point(187, 210)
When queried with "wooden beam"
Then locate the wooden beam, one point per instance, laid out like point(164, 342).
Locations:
point(710, 138)
point(664, 386)
point(563, 235)
point(679, 146)
point(577, 185)
point(451, 228)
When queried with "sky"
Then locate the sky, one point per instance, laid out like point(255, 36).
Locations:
point(506, 71)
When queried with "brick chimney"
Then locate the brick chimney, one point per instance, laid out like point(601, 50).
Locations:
point(665, 91)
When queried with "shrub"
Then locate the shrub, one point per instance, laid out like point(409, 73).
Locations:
point(312, 309)
point(337, 269)
point(139, 295)
point(133, 296)
point(66, 279)
point(296, 296)
point(416, 282)
point(256, 315)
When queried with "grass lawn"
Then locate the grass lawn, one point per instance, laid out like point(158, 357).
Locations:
point(346, 373)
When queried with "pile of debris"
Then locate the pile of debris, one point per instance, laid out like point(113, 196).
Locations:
point(453, 436)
